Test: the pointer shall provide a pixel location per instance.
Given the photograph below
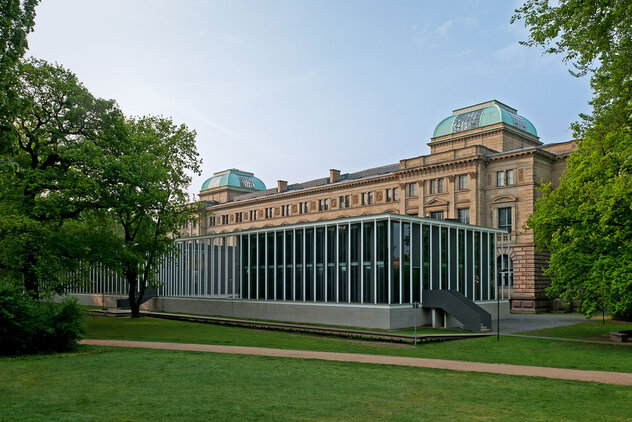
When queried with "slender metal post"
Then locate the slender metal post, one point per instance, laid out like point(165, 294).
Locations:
point(440, 257)
point(411, 251)
point(275, 264)
point(361, 261)
point(375, 261)
point(326, 265)
point(448, 253)
point(234, 242)
point(509, 274)
point(294, 264)
point(401, 260)
point(303, 292)
point(457, 261)
point(349, 262)
point(241, 266)
point(389, 259)
point(337, 263)
point(430, 246)
point(421, 261)
point(284, 265)
point(315, 278)
point(480, 260)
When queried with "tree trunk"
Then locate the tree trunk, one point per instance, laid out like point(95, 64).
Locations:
point(134, 303)
point(31, 283)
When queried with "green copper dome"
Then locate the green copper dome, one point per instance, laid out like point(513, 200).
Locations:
point(235, 179)
point(481, 115)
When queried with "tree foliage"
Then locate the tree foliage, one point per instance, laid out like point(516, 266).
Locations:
point(58, 135)
point(144, 180)
point(16, 21)
point(586, 223)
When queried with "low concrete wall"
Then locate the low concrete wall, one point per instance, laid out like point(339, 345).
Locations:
point(387, 317)
point(491, 307)
point(354, 315)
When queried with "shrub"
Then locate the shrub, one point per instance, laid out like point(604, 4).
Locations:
point(29, 326)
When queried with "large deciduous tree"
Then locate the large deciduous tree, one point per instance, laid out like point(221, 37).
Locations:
point(146, 174)
point(55, 145)
point(16, 21)
point(586, 223)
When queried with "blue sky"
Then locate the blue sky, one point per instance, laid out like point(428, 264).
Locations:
point(289, 89)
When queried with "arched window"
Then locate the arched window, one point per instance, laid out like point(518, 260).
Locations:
point(505, 270)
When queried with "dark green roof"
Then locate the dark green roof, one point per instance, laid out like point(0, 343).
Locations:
point(481, 115)
point(234, 178)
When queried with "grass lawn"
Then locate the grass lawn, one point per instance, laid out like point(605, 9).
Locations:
point(515, 350)
point(589, 330)
point(127, 384)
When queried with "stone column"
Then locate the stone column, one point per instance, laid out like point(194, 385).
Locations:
point(473, 185)
point(452, 192)
point(422, 200)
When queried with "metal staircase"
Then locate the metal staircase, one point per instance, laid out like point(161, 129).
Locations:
point(468, 313)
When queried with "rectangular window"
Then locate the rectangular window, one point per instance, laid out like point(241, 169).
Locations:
point(211, 221)
point(504, 218)
point(463, 182)
point(412, 189)
point(464, 215)
point(326, 204)
point(370, 198)
point(344, 201)
point(509, 177)
point(500, 178)
point(389, 195)
point(436, 185)
point(363, 196)
point(395, 194)
point(437, 215)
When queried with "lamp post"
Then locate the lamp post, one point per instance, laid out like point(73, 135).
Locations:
point(103, 307)
point(415, 306)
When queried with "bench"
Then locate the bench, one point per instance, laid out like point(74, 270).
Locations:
point(620, 336)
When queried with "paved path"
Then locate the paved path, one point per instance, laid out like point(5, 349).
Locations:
point(619, 378)
point(528, 322)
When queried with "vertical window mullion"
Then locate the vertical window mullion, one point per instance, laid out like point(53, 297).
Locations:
point(389, 259)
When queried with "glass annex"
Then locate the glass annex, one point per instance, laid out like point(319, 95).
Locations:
point(381, 259)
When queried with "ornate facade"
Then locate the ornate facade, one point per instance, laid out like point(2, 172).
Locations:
point(484, 166)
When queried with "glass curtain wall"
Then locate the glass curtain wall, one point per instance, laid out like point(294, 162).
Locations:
point(381, 259)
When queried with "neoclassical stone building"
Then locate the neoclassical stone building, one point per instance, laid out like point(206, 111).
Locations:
point(484, 166)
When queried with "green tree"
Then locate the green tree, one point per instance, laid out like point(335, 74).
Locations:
point(144, 182)
point(586, 223)
point(16, 21)
point(59, 132)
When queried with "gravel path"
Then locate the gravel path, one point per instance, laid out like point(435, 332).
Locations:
point(619, 378)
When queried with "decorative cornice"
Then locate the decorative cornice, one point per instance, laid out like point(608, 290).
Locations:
point(301, 192)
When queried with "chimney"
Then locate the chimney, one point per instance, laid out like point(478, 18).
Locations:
point(282, 186)
point(334, 176)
